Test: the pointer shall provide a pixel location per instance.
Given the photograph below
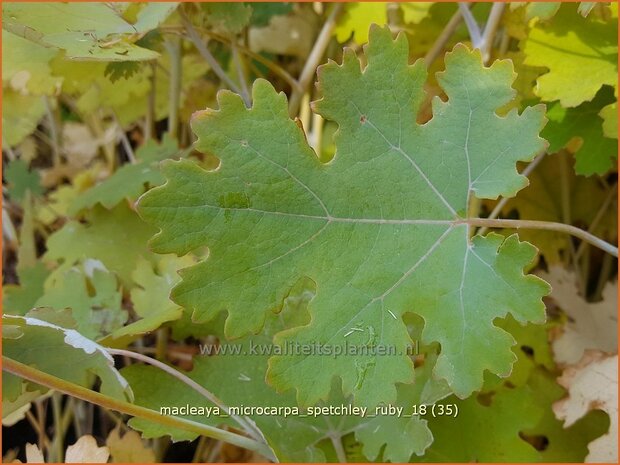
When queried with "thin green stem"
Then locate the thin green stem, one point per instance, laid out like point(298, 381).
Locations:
point(245, 423)
point(52, 382)
point(316, 54)
point(54, 129)
point(545, 225)
point(489, 30)
point(443, 38)
point(59, 436)
point(472, 25)
point(206, 54)
point(149, 123)
point(245, 93)
point(337, 443)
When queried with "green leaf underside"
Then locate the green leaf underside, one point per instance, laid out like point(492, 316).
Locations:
point(378, 229)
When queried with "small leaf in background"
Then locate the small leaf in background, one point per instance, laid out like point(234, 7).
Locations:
point(124, 69)
point(115, 237)
point(151, 298)
point(93, 296)
point(21, 179)
point(541, 10)
point(227, 17)
point(129, 181)
point(596, 154)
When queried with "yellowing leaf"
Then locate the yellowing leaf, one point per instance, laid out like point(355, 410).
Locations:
point(25, 66)
point(580, 54)
point(85, 31)
point(129, 448)
point(415, 12)
point(610, 120)
point(357, 18)
point(20, 116)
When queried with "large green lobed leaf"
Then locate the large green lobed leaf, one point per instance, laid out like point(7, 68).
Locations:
point(381, 229)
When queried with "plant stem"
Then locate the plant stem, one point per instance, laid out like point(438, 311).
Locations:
point(149, 123)
point(54, 131)
point(161, 343)
point(443, 38)
point(206, 54)
point(245, 93)
point(277, 69)
point(472, 25)
point(10, 154)
point(124, 140)
point(316, 54)
point(598, 217)
point(57, 443)
point(173, 46)
point(603, 277)
point(200, 449)
point(243, 422)
point(545, 225)
point(502, 203)
point(489, 30)
point(32, 374)
point(337, 443)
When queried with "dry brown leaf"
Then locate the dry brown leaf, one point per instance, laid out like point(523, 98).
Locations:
point(592, 325)
point(85, 450)
point(34, 454)
point(592, 384)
